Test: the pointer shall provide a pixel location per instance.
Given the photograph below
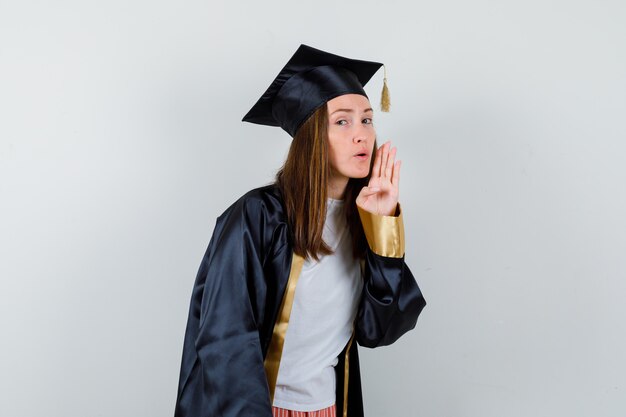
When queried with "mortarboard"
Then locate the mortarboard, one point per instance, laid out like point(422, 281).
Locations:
point(309, 79)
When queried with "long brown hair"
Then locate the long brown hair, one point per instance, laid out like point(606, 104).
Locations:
point(303, 182)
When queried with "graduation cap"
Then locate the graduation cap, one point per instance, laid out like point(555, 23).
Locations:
point(310, 79)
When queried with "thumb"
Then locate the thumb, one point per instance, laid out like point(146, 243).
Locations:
point(368, 191)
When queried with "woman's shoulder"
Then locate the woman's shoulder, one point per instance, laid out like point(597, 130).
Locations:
point(258, 215)
point(261, 202)
point(266, 194)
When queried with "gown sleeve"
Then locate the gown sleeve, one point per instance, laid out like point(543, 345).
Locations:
point(391, 300)
point(222, 371)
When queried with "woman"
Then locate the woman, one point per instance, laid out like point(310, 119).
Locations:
point(330, 226)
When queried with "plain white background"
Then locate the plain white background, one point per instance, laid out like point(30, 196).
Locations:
point(121, 142)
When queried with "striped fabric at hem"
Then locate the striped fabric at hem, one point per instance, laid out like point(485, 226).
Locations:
point(326, 412)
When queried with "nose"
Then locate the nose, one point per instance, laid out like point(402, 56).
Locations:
point(361, 134)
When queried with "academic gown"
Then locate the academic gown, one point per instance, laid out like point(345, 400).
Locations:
point(238, 309)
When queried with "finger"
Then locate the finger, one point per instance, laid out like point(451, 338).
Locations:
point(377, 162)
point(384, 155)
point(368, 191)
point(390, 163)
point(395, 179)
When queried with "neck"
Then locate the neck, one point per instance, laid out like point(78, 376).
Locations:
point(337, 187)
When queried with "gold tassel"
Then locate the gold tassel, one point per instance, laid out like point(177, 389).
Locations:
point(385, 101)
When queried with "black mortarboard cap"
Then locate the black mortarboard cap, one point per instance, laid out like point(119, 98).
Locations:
point(310, 79)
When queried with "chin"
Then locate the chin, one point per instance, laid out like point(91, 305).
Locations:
point(360, 174)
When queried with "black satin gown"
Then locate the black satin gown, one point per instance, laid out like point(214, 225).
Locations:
point(235, 303)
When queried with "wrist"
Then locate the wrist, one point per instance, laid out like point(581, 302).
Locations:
point(384, 234)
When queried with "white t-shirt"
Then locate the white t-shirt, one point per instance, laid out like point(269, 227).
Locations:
point(320, 325)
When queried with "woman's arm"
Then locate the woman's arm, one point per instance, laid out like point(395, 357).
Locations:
point(222, 370)
point(391, 300)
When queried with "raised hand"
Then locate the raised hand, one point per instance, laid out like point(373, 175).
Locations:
point(381, 194)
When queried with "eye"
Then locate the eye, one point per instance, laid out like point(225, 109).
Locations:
point(368, 121)
point(341, 122)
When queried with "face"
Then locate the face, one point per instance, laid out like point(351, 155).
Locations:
point(351, 136)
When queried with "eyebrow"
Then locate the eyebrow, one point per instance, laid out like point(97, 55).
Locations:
point(351, 110)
